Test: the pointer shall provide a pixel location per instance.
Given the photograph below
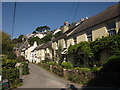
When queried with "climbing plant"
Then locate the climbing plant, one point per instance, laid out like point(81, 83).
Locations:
point(81, 47)
point(109, 42)
point(94, 49)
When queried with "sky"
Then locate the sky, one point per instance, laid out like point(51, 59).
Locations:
point(30, 15)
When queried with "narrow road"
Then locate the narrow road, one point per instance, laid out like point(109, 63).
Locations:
point(41, 78)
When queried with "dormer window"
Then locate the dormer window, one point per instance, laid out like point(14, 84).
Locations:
point(111, 28)
point(65, 44)
point(89, 35)
point(75, 40)
point(56, 45)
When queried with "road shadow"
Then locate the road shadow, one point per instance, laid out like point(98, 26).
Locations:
point(70, 87)
point(104, 81)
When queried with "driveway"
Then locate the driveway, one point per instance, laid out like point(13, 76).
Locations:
point(41, 78)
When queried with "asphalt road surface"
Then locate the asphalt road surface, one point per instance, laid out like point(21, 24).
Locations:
point(41, 78)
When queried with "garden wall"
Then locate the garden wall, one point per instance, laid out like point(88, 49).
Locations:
point(75, 75)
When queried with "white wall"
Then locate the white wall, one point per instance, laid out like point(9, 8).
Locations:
point(28, 53)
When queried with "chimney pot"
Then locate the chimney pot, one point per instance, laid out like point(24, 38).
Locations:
point(65, 23)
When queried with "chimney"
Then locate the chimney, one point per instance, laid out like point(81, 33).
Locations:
point(65, 23)
point(65, 27)
point(82, 19)
point(86, 17)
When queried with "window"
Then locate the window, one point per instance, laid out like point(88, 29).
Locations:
point(111, 25)
point(89, 35)
point(14, 49)
point(111, 28)
point(112, 32)
point(56, 45)
point(65, 43)
point(75, 40)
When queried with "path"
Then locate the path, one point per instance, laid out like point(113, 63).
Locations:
point(41, 78)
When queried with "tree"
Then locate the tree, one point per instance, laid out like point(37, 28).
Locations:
point(20, 38)
point(33, 32)
point(47, 38)
point(32, 40)
point(58, 34)
point(42, 28)
point(17, 40)
point(7, 46)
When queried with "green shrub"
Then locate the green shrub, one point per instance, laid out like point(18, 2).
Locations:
point(12, 75)
point(43, 61)
point(20, 58)
point(33, 39)
point(51, 63)
point(8, 63)
point(112, 64)
point(11, 55)
point(76, 68)
point(67, 65)
point(85, 69)
point(25, 68)
point(95, 68)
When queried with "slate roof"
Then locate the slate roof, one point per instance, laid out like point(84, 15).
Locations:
point(18, 45)
point(25, 44)
point(111, 12)
point(45, 45)
point(22, 45)
point(64, 35)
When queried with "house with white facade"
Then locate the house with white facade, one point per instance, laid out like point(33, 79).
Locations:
point(19, 49)
point(29, 53)
point(43, 52)
point(40, 34)
point(106, 23)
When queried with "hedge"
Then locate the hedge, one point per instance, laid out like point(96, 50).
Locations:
point(25, 68)
point(12, 75)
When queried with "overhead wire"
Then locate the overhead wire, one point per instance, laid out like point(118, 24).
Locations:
point(68, 17)
point(76, 12)
point(14, 19)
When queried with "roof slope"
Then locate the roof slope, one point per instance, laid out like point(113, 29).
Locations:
point(45, 45)
point(64, 35)
point(109, 13)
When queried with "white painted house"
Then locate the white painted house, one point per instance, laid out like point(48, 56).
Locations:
point(28, 52)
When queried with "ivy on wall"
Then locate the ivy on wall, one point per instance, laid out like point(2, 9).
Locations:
point(109, 42)
point(94, 49)
point(81, 47)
